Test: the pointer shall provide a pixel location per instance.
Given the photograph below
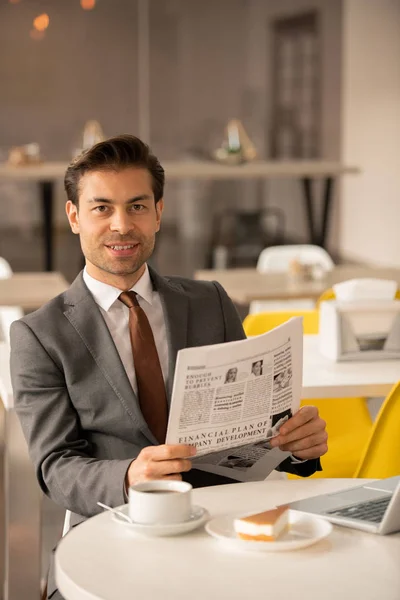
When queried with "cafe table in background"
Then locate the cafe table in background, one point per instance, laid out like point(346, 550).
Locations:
point(31, 290)
point(102, 560)
point(46, 174)
point(325, 378)
point(248, 285)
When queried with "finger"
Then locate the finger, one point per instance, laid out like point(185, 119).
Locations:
point(303, 415)
point(312, 427)
point(177, 465)
point(308, 442)
point(167, 452)
point(158, 468)
point(169, 477)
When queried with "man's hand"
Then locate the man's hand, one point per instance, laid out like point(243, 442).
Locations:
point(303, 435)
point(160, 462)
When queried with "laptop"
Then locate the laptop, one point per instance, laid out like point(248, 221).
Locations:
point(372, 507)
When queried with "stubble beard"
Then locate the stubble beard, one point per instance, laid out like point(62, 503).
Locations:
point(123, 266)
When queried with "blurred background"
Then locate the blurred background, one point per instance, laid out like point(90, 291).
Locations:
point(309, 79)
point(310, 82)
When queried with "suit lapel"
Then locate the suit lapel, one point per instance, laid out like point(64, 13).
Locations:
point(175, 304)
point(85, 316)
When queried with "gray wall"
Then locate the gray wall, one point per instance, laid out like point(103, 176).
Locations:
point(210, 61)
point(84, 68)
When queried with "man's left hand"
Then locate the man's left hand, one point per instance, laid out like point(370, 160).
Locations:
point(304, 435)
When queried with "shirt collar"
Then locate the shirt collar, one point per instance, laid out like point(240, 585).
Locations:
point(106, 295)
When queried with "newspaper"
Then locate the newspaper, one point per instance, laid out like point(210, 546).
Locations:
point(230, 399)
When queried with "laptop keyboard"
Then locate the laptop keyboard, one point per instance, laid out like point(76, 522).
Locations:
point(373, 510)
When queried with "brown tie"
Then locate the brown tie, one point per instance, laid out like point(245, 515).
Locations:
point(150, 382)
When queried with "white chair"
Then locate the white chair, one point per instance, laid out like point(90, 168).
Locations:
point(276, 259)
point(67, 523)
point(8, 314)
point(5, 269)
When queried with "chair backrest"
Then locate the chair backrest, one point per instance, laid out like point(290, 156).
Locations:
point(278, 258)
point(381, 457)
point(5, 269)
point(261, 322)
point(8, 314)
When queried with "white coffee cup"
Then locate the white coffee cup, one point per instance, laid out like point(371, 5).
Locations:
point(160, 502)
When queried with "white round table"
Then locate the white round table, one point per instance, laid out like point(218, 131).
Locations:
point(101, 560)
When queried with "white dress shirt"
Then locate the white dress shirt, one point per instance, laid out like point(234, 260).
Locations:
point(116, 316)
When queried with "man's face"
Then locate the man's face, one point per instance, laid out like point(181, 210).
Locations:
point(257, 368)
point(117, 220)
point(231, 375)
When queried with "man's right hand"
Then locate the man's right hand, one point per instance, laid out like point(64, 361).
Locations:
point(160, 462)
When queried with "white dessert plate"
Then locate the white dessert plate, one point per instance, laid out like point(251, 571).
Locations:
point(198, 517)
point(304, 531)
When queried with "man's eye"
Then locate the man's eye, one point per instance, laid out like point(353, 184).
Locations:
point(138, 207)
point(101, 208)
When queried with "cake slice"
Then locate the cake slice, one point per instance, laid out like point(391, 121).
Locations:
point(265, 526)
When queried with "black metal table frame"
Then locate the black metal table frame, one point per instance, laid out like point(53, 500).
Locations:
point(47, 198)
point(317, 236)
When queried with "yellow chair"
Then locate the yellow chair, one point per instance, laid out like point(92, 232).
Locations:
point(381, 457)
point(348, 421)
point(258, 323)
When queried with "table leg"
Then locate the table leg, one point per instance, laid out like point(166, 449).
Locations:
point(318, 238)
point(47, 195)
point(308, 200)
point(328, 193)
point(194, 222)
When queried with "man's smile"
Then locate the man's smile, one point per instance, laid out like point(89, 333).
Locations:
point(122, 249)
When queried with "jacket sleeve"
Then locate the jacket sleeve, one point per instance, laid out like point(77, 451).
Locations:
point(234, 331)
point(62, 456)
point(303, 469)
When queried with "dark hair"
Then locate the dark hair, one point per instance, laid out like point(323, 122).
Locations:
point(116, 153)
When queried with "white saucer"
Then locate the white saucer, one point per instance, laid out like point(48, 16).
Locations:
point(198, 517)
point(304, 531)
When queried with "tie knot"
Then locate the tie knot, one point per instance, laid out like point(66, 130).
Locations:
point(129, 299)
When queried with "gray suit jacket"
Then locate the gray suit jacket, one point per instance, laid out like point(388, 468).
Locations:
point(76, 406)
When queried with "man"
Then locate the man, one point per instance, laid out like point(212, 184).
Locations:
point(93, 423)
